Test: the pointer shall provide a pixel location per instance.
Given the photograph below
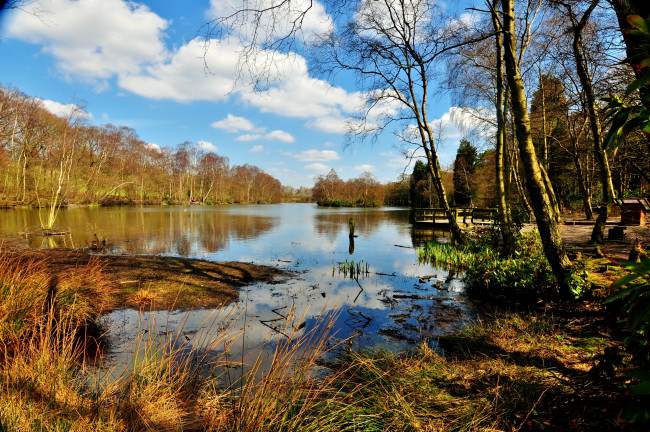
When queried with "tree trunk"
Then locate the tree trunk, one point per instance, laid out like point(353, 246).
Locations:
point(504, 209)
point(582, 68)
point(514, 171)
point(547, 219)
point(584, 188)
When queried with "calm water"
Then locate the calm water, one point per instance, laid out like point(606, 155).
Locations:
point(376, 309)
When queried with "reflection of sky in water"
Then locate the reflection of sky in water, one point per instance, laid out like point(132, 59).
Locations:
point(299, 237)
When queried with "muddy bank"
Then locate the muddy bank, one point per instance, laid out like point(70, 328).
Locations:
point(164, 282)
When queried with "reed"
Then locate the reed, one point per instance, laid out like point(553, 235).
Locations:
point(353, 269)
point(48, 382)
point(447, 255)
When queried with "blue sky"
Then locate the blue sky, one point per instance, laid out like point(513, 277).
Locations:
point(140, 64)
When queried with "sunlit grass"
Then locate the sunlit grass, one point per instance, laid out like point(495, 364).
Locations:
point(497, 374)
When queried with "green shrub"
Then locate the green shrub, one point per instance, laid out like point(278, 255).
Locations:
point(634, 298)
point(526, 275)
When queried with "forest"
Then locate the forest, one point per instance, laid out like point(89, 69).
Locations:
point(538, 320)
point(47, 160)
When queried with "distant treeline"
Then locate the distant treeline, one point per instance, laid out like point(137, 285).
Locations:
point(332, 191)
point(43, 155)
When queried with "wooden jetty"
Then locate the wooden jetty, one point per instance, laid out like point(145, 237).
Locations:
point(466, 216)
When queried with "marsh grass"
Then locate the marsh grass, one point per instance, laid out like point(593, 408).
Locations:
point(352, 269)
point(523, 276)
point(145, 297)
point(447, 255)
point(48, 381)
point(30, 297)
point(508, 372)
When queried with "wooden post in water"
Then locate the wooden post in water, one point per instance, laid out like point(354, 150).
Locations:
point(351, 224)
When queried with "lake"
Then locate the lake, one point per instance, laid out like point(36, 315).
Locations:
point(389, 305)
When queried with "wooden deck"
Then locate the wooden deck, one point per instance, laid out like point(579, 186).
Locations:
point(467, 216)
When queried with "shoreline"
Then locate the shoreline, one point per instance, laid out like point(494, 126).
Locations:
point(162, 283)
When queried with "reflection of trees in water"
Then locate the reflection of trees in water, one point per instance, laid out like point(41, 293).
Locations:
point(421, 236)
point(331, 223)
point(190, 233)
point(145, 230)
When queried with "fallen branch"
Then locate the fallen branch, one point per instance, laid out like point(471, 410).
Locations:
point(419, 297)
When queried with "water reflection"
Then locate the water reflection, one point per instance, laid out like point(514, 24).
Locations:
point(188, 232)
point(330, 223)
point(392, 305)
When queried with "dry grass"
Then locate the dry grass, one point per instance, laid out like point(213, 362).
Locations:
point(30, 295)
point(45, 383)
point(510, 372)
point(527, 372)
point(145, 297)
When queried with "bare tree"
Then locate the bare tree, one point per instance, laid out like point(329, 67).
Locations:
point(60, 149)
point(395, 48)
point(579, 18)
point(536, 182)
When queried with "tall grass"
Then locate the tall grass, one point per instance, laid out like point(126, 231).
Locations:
point(31, 295)
point(46, 382)
point(448, 255)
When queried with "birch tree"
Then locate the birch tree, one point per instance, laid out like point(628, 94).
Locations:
point(395, 48)
point(538, 187)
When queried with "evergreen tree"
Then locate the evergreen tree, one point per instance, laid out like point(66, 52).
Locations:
point(464, 166)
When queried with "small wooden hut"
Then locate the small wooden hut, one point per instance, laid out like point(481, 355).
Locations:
point(633, 210)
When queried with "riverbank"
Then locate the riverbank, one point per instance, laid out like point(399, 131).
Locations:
point(543, 367)
point(157, 282)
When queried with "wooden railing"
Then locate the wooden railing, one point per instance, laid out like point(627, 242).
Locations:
point(463, 215)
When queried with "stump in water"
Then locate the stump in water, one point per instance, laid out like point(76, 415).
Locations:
point(351, 247)
point(351, 223)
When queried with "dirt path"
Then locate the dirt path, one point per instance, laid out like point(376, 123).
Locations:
point(576, 237)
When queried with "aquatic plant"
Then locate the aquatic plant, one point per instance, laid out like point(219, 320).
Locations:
point(354, 270)
point(524, 275)
point(447, 255)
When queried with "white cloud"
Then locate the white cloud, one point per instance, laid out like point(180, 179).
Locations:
point(300, 96)
point(184, 78)
point(364, 168)
point(276, 135)
point(257, 148)
point(93, 39)
point(394, 160)
point(330, 144)
point(318, 168)
point(206, 145)
point(458, 122)
point(316, 155)
point(234, 124)
point(248, 137)
point(240, 124)
point(329, 124)
point(65, 110)
point(280, 136)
